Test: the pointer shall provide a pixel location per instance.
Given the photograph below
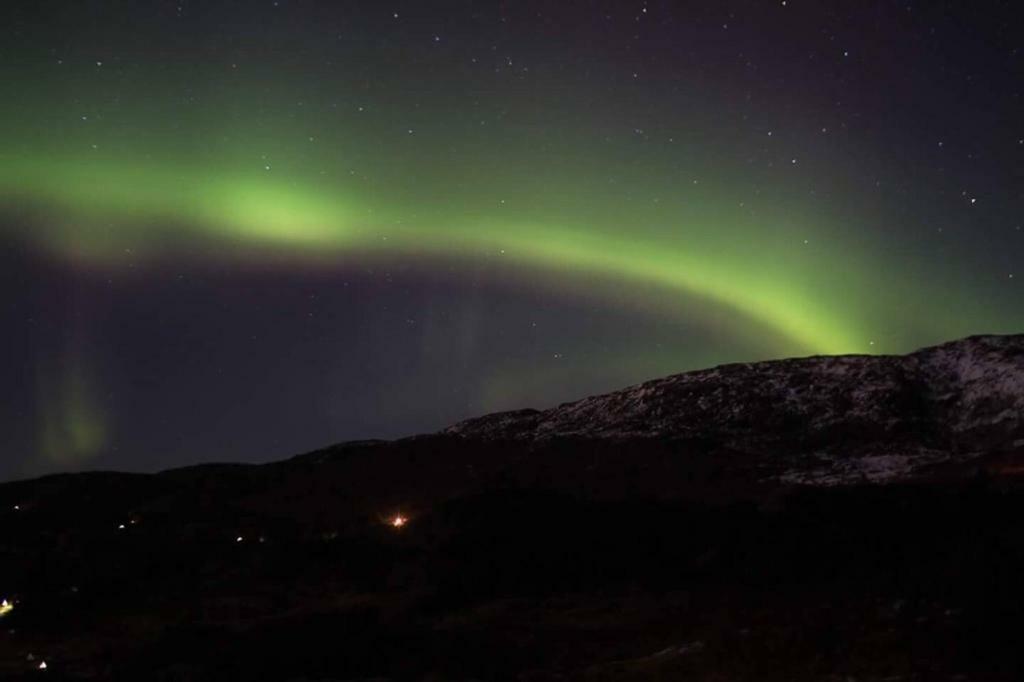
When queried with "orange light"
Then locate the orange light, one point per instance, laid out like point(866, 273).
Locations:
point(398, 521)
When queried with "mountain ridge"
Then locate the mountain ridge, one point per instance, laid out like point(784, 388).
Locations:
point(951, 402)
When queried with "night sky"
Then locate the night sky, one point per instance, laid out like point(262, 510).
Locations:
point(239, 230)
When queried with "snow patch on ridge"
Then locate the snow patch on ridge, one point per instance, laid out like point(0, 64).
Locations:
point(829, 470)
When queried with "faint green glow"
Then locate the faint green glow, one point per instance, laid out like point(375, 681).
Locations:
point(72, 427)
point(96, 209)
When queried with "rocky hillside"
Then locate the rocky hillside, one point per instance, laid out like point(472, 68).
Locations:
point(833, 419)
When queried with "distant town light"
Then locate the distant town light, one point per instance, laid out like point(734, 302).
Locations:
point(398, 521)
point(6, 607)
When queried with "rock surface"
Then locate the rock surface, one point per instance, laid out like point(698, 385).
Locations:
point(829, 420)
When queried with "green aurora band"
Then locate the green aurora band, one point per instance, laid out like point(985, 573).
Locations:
point(144, 178)
point(105, 211)
point(97, 211)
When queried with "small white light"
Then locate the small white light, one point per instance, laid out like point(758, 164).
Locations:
point(42, 666)
point(238, 539)
point(398, 521)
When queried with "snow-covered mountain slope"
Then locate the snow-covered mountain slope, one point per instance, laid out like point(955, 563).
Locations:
point(834, 419)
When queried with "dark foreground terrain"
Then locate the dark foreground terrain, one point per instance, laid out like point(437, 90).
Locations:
point(819, 519)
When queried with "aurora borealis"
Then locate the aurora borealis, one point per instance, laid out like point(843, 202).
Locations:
point(237, 230)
